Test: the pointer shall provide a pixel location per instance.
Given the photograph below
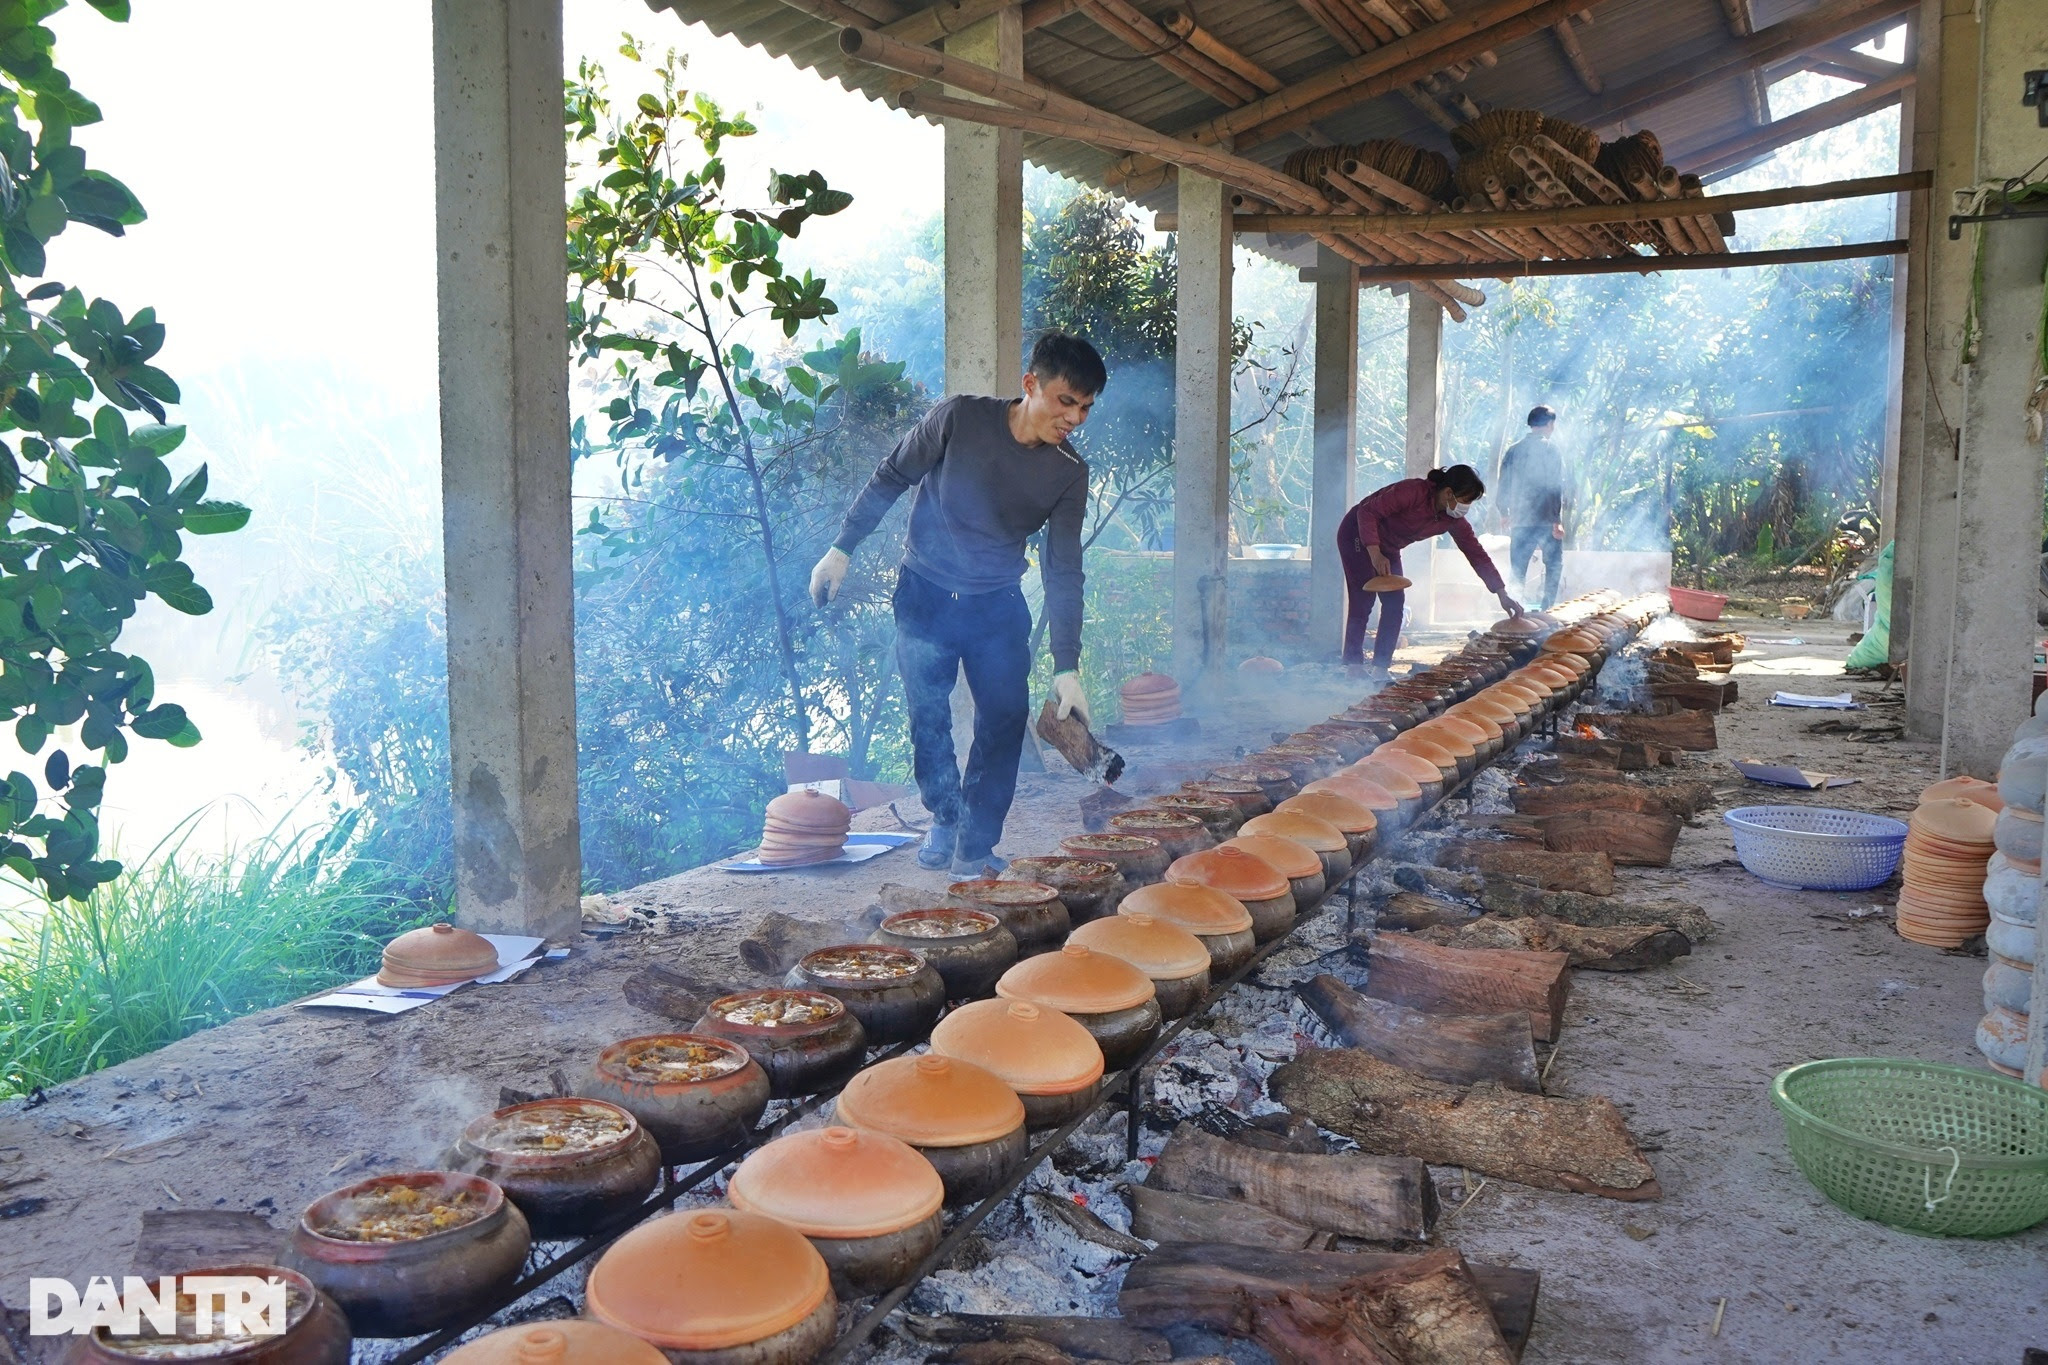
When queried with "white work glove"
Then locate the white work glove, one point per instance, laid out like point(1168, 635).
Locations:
point(827, 575)
point(1068, 698)
point(1509, 605)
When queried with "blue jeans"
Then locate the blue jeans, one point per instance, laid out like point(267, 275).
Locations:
point(938, 633)
point(1524, 541)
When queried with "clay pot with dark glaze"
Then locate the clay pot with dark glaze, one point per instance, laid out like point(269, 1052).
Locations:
point(1176, 961)
point(1220, 817)
point(409, 1285)
point(1177, 833)
point(1107, 996)
point(969, 949)
point(1088, 887)
point(696, 1094)
point(965, 1121)
point(1277, 783)
point(1138, 859)
point(1053, 1063)
point(1249, 797)
point(1032, 911)
point(574, 1166)
point(868, 1202)
point(315, 1332)
point(1352, 741)
point(1303, 762)
point(894, 992)
point(1265, 892)
point(1222, 924)
point(805, 1040)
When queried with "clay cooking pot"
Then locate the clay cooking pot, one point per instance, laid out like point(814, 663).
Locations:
point(894, 992)
point(969, 949)
point(573, 1166)
point(805, 1040)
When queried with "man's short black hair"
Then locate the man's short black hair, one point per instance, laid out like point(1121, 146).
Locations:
point(1058, 355)
point(1540, 416)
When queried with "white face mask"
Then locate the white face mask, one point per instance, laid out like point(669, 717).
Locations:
point(1460, 510)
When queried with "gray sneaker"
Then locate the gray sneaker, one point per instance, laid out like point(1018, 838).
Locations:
point(937, 852)
point(987, 865)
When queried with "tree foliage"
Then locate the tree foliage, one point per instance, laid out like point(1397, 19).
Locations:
point(93, 517)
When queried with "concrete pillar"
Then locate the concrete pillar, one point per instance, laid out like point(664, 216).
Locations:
point(1999, 469)
point(506, 527)
point(1331, 491)
point(1425, 383)
point(1895, 393)
point(1201, 431)
point(985, 226)
point(1919, 123)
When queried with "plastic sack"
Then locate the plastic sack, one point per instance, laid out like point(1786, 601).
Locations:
point(1875, 648)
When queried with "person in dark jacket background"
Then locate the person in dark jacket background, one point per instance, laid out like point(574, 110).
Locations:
point(990, 473)
point(1373, 534)
point(1532, 504)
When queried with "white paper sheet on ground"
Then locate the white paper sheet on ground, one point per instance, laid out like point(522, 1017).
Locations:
point(859, 848)
point(1785, 775)
point(516, 952)
point(1841, 701)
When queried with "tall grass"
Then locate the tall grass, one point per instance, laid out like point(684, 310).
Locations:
point(182, 943)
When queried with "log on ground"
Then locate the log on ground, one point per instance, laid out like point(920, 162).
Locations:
point(1690, 730)
point(1382, 1199)
point(1426, 976)
point(1623, 948)
point(1076, 1338)
point(1577, 1145)
point(1699, 694)
point(780, 941)
point(1204, 1286)
point(670, 993)
point(1544, 790)
point(1427, 1312)
point(1622, 755)
point(1509, 898)
point(1591, 873)
point(1170, 1216)
point(1459, 1048)
point(1409, 910)
point(1631, 840)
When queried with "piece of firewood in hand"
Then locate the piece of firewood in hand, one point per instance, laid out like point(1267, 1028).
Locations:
point(1577, 1145)
point(1426, 976)
point(1381, 1199)
point(1625, 948)
point(1591, 873)
point(1513, 899)
point(1460, 1048)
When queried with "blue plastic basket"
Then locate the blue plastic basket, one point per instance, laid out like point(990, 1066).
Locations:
point(1813, 848)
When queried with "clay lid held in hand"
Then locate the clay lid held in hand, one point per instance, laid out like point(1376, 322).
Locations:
point(1286, 856)
point(1311, 831)
point(1969, 789)
point(707, 1280)
point(438, 955)
point(1162, 951)
point(1956, 820)
point(1353, 785)
point(1347, 813)
point(1515, 625)
point(1233, 871)
point(566, 1341)
point(809, 811)
point(1198, 909)
point(1381, 770)
point(838, 1182)
point(932, 1101)
point(1031, 1049)
point(1387, 582)
point(1077, 980)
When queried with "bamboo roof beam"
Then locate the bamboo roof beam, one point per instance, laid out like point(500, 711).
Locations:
point(1750, 146)
point(948, 16)
point(1850, 65)
point(1629, 265)
point(1635, 211)
point(1136, 30)
point(1438, 11)
point(1575, 55)
point(1183, 26)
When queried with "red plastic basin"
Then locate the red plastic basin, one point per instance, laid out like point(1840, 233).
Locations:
point(1696, 605)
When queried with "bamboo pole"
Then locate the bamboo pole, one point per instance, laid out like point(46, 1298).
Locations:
point(1214, 48)
point(1400, 198)
point(1575, 56)
point(1633, 212)
point(1633, 264)
point(1135, 29)
point(1546, 190)
point(1708, 224)
point(1669, 192)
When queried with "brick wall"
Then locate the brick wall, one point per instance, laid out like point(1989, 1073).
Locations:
point(1269, 609)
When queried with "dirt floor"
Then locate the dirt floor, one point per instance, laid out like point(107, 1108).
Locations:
point(273, 1110)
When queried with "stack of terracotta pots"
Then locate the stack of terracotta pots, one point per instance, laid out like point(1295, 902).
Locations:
point(2012, 890)
point(1948, 844)
point(1150, 699)
point(804, 827)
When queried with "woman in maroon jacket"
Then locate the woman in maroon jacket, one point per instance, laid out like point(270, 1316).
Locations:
point(1372, 535)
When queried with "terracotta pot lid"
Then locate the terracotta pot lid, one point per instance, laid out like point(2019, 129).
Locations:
point(1387, 582)
point(659, 1060)
point(932, 1101)
point(1421, 760)
point(1233, 871)
point(1575, 639)
point(940, 923)
point(1515, 625)
point(1149, 685)
point(1489, 726)
point(1969, 789)
point(568, 1341)
point(551, 1132)
point(1110, 847)
point(1517, 698)
point(1031, 1049)
point(994, 891)
point(1077, 980)
point(707, 1280)
point(1956, 820)
point(1162, 951)
point(1347, 813)
point(438, 955)
point(1353, 785)
point(1311, 831)
point(1578, 664)
point(1473, 731)
point(1150, 823)
point(1197, 909)
point(1434, 732)
point(1396, 779)
point(809, 812)
point(1288, 857)
point(838, 1182)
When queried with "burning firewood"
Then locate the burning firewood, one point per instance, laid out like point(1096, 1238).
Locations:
point(1628, 948)
point(1426, 1313)
point(1459, 1048)
point(1591, 873)
point(1691, 730)
point(1426, 976)
point(1385, 1199)
point(1581, 1146)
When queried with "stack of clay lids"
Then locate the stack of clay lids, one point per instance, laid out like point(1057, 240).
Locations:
point(1235, 871)
point(1078, 980)
point(1259, 663)
point(1387, 582)
point(1150, 699)
point(707, 1280)
point(1198, 909)
point(932, 1101)
point(1031, 1049)
point(1948, 844)
point(804, 827)
point(1162, 951)
point(1969, 789)
point(439, 955)
point(567, 1341)
point(838, 1183)
point(1346, 813)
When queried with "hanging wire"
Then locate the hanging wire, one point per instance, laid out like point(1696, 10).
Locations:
point(1176, 45)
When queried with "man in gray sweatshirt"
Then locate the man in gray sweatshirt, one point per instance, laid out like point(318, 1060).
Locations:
point(990, 473)
point(1533, 504)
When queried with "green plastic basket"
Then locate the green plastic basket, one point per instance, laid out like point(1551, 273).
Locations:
point(1933, 1149)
